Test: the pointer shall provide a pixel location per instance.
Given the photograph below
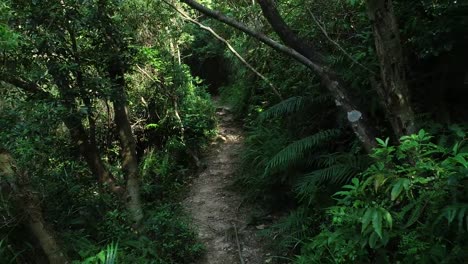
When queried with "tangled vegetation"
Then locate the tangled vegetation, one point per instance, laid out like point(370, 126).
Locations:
point(355, 114)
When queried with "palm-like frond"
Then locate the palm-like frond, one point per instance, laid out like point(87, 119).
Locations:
point(297, 150)
point(291, 105)
point(338, 169)
point(292, 229)
point(105, 256)
point(456, 213)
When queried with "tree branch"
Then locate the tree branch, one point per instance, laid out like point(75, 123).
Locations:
point(258, 35)
point(356, 117)
point(230, 47)
point(286, 34)
point(26, 86)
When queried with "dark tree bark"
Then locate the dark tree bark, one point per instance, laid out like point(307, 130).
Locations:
point(286, 34)
point(116, 67)
point(90, 153)
point(311, 59)
point(127, 142)
point(29, 204)
point(393, 90)
point(73, 121)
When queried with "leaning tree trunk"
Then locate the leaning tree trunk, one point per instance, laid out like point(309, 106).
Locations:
point(393, 90)
point(127, 143)
point(88, 149)
point(28, 202)
point(343, 99)
point(90, 153)
point(305, 55)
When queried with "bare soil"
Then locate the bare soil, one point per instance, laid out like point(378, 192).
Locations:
point(221, 221)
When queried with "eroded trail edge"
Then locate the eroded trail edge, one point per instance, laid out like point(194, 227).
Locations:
point(216, 210)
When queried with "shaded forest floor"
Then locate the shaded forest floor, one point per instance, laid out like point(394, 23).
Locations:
point(216, 209)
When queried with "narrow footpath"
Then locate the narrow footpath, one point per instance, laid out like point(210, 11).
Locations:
point(218, 216)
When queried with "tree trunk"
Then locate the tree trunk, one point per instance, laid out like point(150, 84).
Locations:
point(356, 117)
point(290, 38)
point(393, 90)
point(72, 120)
point(90, 153)
point(29, 204)
point(127, 143)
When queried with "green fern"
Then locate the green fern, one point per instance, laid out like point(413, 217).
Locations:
point(335, 168)
point(291, 105)
point(297, 150)
point(456, 213)
point(291, 230)
point(105, 256)
point(287, 106)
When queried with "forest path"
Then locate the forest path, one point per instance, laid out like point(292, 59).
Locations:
point(221, 222)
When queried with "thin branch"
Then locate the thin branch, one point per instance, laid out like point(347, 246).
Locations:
point(147, 74)
point(257, 35)
point(329, 79)
point(325, 33)
point(230, 47)
point(25, 85)
point(238, 245)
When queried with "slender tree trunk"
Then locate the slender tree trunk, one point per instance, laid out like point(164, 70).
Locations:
point(290, 38)
point(90, 153)
point(355, 114)
point(29, 203)
point(393, 91)
point(72, 120)
point(127, 143)
point(309, 58)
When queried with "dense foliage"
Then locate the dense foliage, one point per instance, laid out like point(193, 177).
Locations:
point(57, 63)
point(356, 134)
point(406, 202)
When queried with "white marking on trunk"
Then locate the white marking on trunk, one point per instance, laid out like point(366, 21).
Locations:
point(354, 116)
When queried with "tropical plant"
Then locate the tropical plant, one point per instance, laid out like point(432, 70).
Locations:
point(409, 205)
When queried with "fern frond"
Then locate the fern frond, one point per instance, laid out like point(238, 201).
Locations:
point(338, 170)
point(296, 150)
point(292, 229)
point(291, 105)
point(328, 160)
point(287, 106)
point(333, 174)
point(456, 213)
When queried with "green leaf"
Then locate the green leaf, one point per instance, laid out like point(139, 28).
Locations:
point(373, 240)
point(377, 222)
point(151, 126)
point(421, 134)
point(355, 181)
point(461, 159)
point(455, 148)
point(388, 217)
point(396, 190)
point(381, 142)
point(366, 219)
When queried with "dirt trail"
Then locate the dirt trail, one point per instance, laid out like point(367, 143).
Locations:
point(221, 223)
